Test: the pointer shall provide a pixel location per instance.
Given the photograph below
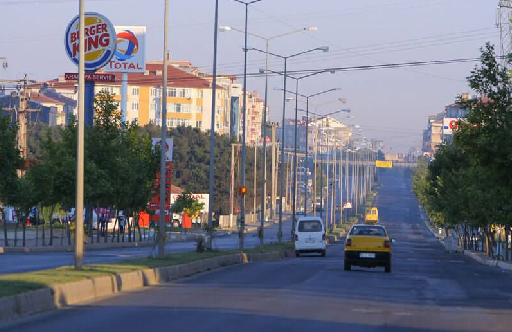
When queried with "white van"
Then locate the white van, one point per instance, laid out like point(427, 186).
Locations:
point(309, 236)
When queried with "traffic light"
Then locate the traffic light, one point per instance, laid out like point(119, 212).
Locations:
point(242, 190)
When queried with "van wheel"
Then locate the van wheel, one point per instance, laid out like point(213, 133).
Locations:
point(387, 268)
point(297, 253)
point(323, 253)
point(347, 266)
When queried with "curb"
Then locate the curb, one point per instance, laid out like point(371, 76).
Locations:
point(60, 296)
point(491, 262)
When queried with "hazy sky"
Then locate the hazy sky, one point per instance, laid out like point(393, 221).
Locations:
point(391, 104)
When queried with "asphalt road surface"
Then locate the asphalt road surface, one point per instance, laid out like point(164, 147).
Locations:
point(16, 263)
point(428, 290)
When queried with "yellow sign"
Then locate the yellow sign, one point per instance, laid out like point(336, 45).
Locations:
point(383, 164)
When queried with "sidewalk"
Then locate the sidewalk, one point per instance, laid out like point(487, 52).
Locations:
point(476, 255)
point(57, 247)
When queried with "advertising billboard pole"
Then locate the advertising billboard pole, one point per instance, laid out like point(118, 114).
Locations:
point(89, 100)
point(100, 29)
point(124, 95)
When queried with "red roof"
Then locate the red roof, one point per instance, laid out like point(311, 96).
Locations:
point(39, 97)
point(176, 78)
point(176, 190)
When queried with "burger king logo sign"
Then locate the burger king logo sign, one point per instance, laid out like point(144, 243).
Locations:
point(100, 40)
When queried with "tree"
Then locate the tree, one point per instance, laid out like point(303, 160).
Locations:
point(11, 161)
point(188, 204)
point(469, 183)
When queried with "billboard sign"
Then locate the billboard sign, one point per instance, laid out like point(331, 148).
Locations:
point(100, 40)
point(91, 77)
point(234, 129)
point(449, 124)
point(201, 198)
point(130, 55)
point(384, 164)
point(168, 148)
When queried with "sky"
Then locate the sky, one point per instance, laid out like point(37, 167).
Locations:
point(388, 104)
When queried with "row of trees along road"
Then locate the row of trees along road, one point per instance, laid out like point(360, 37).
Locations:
point(468, 186)
point(120, 169)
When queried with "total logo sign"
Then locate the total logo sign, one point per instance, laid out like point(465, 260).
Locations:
point(100, 40)
point(130, 56)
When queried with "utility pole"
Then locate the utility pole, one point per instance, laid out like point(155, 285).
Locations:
point(22, 113)
point(232, 191)
point(161, 225)
point(273, 191)
point(80, 153)
point(255, 173)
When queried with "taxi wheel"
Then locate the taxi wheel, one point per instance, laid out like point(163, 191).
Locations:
point(297, 253)
point(387, 268)
point(347, 266)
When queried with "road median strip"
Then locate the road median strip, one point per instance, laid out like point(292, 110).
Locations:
point(35, 292)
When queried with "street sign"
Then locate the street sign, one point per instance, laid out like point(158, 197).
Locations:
point(91, 77)
point(383, 164)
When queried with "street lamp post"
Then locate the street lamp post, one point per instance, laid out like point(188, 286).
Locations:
point(212, 131)
point(307, 97)
point(264, 116)
point(285, 58)
point(244, 106)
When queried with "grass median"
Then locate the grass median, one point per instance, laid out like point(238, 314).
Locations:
point(12, 284)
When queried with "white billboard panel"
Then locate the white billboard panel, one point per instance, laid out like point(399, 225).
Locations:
point(449, 124)
point(130, 55)
point(168, 148)
point(201, 198)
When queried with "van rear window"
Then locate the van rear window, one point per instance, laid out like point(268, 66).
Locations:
point(310, 226)
point(368, 230)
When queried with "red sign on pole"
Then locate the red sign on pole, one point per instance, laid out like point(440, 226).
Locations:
point(91, 77)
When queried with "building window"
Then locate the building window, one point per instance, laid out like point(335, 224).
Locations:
point(171, 92)
point(177, 108)
point(182, 93)
point(135, 106)
point(200, 93)
point(200, 109)
point(135, 91)
point(198, 124)
point(155, 92)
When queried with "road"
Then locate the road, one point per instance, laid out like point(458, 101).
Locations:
point(428, 290)
point(16, 263)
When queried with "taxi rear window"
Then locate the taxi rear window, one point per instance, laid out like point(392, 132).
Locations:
point(368, 230)
point(310, 226)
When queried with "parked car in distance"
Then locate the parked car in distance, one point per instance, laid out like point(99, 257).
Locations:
point(309, 236)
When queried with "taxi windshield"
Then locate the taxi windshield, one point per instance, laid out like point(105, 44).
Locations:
point(368, 230)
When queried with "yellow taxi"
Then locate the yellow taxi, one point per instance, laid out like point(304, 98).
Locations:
point(371, 215)
point(368, 245)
